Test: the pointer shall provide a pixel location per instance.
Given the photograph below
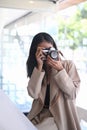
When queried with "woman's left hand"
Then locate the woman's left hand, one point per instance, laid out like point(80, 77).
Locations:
point(56, 64)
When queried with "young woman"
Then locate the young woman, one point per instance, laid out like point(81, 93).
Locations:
point(53, 84)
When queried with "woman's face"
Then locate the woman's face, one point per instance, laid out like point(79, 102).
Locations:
point(45, 44)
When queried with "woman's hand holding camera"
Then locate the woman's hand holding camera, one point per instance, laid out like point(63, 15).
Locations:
point(39, 57)
point(56, 64)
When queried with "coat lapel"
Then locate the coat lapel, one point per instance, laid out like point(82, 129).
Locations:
point(54, 90)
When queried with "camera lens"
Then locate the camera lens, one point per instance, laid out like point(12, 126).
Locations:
point(54, 54)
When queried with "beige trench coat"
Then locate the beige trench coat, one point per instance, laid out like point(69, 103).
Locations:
point(64, 86)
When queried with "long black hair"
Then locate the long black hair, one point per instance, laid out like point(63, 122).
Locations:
point(37, 39)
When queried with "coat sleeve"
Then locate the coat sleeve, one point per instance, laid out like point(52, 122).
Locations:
point(68, 82)
point(34, 84)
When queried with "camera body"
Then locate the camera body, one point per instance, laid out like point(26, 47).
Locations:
point(52, 52)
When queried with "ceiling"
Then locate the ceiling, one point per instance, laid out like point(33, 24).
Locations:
point(11, 10)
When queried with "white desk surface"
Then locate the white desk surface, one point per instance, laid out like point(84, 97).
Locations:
point(11, 118)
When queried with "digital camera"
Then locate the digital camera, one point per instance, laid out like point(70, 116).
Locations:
point(52, 52)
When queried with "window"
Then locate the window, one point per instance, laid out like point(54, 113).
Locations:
point(68, 30)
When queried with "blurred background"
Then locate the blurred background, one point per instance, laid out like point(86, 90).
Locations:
point(65, 20)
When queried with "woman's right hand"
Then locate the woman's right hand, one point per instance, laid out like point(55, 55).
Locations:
point(39, 57)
